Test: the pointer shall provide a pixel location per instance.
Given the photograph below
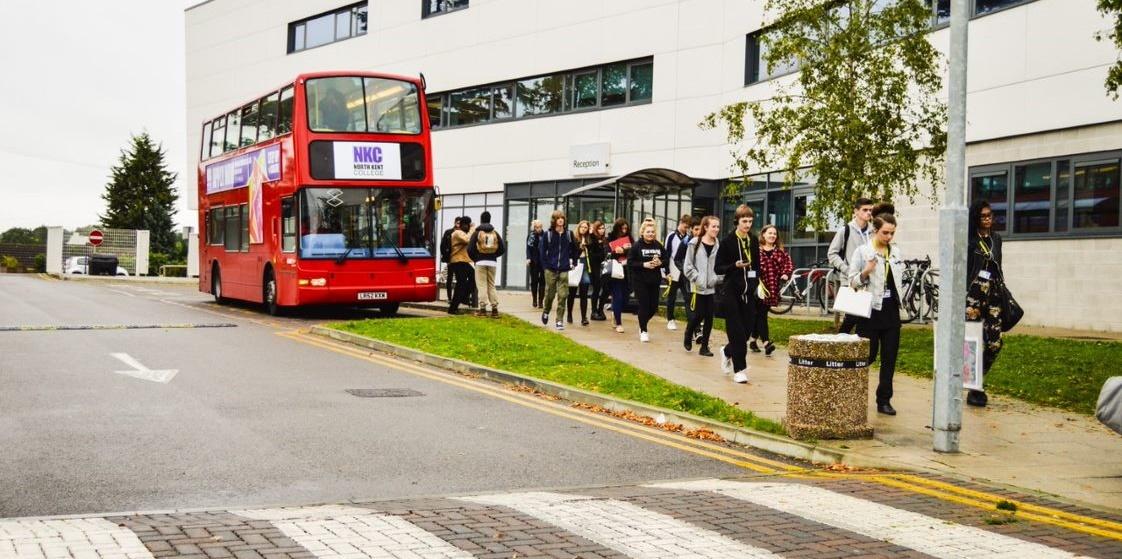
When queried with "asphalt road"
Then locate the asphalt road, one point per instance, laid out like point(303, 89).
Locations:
point(252, 418)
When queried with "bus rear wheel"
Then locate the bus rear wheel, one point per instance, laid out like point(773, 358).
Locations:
point(269, 294)
point(216, 285)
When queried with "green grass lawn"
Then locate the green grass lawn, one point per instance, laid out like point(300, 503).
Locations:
point(1066, 374)
point(513, 345)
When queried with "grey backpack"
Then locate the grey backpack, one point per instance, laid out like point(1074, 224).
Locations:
point(1109, 410)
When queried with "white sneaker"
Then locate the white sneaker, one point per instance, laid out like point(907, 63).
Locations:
point(619, 328)
point(671, 325)
point(741, 377)
point(726, 362)
point(644, 337)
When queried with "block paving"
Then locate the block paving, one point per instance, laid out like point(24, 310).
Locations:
point(590, 523)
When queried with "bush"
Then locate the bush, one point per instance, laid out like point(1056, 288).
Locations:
point(9, 263)
point(40, 263)
point(155, 260)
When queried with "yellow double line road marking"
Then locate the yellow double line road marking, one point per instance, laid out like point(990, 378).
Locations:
point(764, 466)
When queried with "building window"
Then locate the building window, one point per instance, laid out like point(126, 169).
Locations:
point(755, 68)
point(982, 7)
point(329, 27)
point(437, 7)
point(1070, 196)
point(612, 85)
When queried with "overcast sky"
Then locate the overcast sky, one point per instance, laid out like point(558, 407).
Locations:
point(79, 78)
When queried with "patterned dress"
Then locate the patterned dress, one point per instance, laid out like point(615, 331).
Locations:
point(774, 264)
point(985, 295)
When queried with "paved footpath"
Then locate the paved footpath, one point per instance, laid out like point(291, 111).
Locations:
point(1008, 442)
point(760, 517)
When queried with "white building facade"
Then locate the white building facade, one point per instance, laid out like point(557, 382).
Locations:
point(535, 98)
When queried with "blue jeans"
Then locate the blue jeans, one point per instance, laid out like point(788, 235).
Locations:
point(619, 298)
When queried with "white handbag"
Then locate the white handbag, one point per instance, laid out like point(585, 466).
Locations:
point(575, 274)
point(617, 270)
point(854, 302)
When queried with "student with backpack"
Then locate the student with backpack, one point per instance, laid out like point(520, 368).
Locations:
point(558, 253)
point(485, 247)
point(534, 264)
point(856, 233)
point(460, 265)
point(446, 257)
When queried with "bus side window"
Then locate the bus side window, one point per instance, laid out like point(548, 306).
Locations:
point(249, 124)
point(268, 121)
point(216, 226)
point(288, 226)
point(284, 122)
point(233, 129)
point(217, 136)
point(204, 149)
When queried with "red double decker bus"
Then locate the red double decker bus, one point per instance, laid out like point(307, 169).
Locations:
point(320, 193)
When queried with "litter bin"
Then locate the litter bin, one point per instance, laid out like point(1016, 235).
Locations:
point(828, 387)
point(103, 265)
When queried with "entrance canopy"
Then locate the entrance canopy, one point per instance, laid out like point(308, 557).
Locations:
point(646, 183)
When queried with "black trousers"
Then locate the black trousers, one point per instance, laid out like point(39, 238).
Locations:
point(647, 295)
point(759, 324)
point(582, 290)
point(537, 283)
point(739, 317)
point(702, 316)
point(884, 339)
point(599, 297)
point(681, 286)
point(849, 322)
point(463, 273)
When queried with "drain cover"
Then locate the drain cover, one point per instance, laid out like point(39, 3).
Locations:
point(383, 392)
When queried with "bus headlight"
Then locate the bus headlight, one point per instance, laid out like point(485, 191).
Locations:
point(423, 280)
point(318, 282)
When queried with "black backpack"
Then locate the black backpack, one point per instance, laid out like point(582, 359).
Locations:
point(446, 246)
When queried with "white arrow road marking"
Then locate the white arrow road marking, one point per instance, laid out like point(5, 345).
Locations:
point(142, 372)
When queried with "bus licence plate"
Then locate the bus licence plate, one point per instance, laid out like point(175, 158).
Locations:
point(372, 295)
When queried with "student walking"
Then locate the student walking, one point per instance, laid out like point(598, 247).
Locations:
point(597, 251)
point(738, 260)
point(881, 273)
point(855, 234)
point(558, 252)
point(985, 289)
point(678, 238)
point(700, 270)
point(583, 239)
point(534, 264)
point(460, 264)
point(775, 267)
point(619, 245)
point(647, 260)
point(485, 247)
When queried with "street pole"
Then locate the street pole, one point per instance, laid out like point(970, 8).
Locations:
point(953, 219)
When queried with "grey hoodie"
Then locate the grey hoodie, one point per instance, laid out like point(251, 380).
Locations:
point(700, 267)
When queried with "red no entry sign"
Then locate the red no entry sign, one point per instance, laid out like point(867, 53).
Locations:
point(96, 237)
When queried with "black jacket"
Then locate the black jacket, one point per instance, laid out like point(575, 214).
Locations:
point(597, 249)
point(641, 253)
point(976, 257)
point(473, 248)
point(737, 282)
point(533, 251)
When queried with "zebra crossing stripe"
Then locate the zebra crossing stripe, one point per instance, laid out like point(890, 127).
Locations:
point(932, 536)
point(340, 531)
point(623, 527)
point(79, 538)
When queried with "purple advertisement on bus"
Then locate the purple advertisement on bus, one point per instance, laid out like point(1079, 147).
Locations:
point(236, 172)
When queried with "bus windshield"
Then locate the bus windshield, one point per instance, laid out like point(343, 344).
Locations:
point(366, 223)
point(356, 104)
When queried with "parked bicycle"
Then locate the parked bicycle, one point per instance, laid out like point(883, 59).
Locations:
point(920, 300)
point(805, 287)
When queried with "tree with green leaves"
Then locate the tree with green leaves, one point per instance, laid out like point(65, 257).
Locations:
point(863, 115)
point(1113, 9)
point(24, 236)
point(141, 194)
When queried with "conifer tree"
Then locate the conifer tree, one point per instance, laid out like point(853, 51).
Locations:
point(140, 194)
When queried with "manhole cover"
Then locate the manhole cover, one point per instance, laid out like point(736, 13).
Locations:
point(383, 392)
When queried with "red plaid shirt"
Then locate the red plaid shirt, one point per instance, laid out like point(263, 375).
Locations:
point(773, 264)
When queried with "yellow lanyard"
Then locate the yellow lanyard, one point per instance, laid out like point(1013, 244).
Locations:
point(744, 248)
point(985, 249)
point(887, 269)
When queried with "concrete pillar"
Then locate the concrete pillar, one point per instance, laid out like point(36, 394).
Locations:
point(54, 250)
point(193, 255)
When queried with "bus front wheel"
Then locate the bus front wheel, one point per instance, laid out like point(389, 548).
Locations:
point(389, 309)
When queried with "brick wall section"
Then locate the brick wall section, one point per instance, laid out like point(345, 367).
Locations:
point(1060, 283)
point(24, 253)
